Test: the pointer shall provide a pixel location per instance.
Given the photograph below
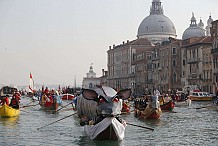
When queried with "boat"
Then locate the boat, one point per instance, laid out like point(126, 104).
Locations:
point(200, 96)
point(7, 111)
point(151, 110)
point(108, 129)
point(67, 96)
point(168, 106)
point(48, 104)
point(104, 123)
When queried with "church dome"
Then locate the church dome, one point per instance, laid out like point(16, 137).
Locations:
point(209, 20)
point(156, 24)
point(193, 30)
point(201, 24)
point(156, 27)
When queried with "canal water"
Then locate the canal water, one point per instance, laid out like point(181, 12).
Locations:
point(185, 126)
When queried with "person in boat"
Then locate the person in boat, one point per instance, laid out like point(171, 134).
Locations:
point(5, 100)
point(14, 102)
point(157, 93)
point(17, 96)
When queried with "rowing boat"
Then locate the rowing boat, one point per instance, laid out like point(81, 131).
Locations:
point(7, 111)
point(107, 129)
point(169, 106)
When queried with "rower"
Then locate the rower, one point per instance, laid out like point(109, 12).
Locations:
point(5, 100)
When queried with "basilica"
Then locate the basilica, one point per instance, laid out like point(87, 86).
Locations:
point(156, 59)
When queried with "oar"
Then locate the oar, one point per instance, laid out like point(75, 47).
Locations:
point(62, 107)
point(141, 126)
point(56, 121)
point(204, 107)
point(29, 105)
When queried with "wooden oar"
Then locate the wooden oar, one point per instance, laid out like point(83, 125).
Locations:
point(141, 126)
point(29, 105)
point(205, 107)
point(56, 121)
point(62, 107)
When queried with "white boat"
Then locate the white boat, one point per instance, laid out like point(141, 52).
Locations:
point(108, 129)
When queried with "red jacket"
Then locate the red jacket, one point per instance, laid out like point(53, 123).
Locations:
point(5, 101)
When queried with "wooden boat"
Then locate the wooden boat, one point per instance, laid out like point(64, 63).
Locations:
point(67, 96)
point(151, 111)
point(7, 111)
point(108, 129)
point(169, 106)
point(50, 106)
point(148, 113)
point(200, 96)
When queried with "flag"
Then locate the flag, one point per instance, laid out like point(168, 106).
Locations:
point(31, 84)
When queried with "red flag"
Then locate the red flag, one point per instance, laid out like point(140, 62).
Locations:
point(31, 76)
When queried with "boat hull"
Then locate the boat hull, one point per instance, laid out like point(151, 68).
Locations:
point(108, 129)
point(52, 107)
point(148, 113)
point(168, 106)
point(207, 98)
point(67, 97)
point(7, 111)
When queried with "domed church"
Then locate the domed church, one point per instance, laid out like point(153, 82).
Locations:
point(194, 30)
point(156, 27)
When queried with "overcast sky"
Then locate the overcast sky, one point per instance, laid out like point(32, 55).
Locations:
point(57, 40)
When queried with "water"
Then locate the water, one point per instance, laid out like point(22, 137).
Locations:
point(184, 126)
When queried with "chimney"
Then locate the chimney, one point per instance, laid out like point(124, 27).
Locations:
point(109, 47)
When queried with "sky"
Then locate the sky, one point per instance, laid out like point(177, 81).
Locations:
point(57, 40)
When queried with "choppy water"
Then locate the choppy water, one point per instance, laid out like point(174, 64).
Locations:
point(185, 126)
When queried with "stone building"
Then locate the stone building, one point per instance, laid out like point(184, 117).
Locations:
point(90, 80)
point(214, 37)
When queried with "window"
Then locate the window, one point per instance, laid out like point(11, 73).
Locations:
point(174, 51)
point(183, 62)
point(174, 63)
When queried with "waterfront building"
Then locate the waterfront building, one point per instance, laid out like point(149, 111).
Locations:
point(214, 37)
point(90, 80)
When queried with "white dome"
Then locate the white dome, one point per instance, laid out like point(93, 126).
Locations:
point(156, 24)
point(156, 27)
point(193, 32)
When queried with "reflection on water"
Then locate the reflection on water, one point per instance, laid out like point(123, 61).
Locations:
point(9, 122)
